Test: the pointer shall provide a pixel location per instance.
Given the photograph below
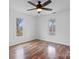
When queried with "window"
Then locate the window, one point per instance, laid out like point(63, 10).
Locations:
point(19, 26)
point(52, 26)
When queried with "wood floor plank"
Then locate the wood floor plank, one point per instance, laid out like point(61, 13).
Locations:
point(39, 49)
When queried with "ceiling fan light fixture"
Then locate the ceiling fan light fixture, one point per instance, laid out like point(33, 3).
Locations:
point(39, 10)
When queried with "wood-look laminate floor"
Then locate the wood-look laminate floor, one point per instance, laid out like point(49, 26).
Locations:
point(39, 49)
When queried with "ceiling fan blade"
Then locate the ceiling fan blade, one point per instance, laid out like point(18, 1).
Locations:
point(31, 3)
point(46, 3)
point(48, 9)
point(31, 9)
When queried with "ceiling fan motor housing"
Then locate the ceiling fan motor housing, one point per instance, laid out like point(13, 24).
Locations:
point(39, 5)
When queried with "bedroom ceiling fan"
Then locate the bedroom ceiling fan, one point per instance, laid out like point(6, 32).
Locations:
point(39, 7)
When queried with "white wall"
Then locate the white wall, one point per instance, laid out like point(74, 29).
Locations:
point(28, 29)
point(37, 28)
point(62, 28)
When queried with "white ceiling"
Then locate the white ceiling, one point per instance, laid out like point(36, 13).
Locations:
point(22, 6)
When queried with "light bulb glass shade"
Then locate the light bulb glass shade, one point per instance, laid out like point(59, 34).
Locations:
point(39, 10)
